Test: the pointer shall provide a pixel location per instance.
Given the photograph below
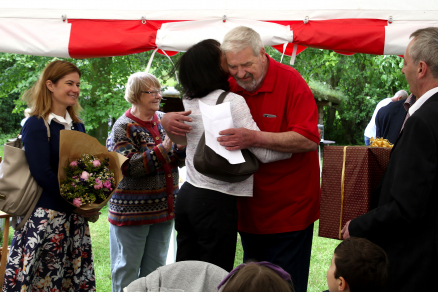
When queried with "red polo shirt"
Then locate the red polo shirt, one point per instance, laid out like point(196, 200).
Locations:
point(287, 192)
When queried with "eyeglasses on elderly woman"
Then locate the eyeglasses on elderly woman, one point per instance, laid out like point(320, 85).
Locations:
point(154, 93)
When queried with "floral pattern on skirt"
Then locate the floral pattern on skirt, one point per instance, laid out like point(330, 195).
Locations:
point(52, 252)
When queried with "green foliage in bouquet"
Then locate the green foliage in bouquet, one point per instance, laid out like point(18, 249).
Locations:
point(88, 180)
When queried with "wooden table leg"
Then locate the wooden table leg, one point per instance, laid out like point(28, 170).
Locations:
point(5, 252)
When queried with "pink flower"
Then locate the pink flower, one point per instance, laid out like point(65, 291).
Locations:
point(98, 186)
point(77, 202)
point(74, 177)
point(96, 163)
point(84, 175)
point(73, 184)
point(74, 163)
point(97, 180)
point(107, 184)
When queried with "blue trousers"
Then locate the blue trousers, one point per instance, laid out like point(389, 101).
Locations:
point(367, 141)
point(290, 250)
point(137, 250)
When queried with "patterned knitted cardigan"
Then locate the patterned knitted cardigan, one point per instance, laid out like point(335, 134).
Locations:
point(149, 187)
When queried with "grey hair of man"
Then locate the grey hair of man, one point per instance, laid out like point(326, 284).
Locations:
point(399, 95)
point(425, 48)
point(241, 37)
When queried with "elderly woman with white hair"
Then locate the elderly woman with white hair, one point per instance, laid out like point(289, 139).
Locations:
point(141, 210)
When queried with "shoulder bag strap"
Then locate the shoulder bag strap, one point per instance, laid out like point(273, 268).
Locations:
point(222, 97)
point(48, 127)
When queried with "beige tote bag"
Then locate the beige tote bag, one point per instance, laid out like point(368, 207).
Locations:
point(19, 192)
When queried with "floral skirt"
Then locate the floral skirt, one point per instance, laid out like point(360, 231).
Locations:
point(52, 252)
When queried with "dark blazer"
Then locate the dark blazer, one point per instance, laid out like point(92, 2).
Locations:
point(389, 120)
point(43, 158)
point(405, 220)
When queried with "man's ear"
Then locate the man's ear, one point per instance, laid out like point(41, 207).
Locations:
point(262, 52)
point(422, 69)
point(342, 284)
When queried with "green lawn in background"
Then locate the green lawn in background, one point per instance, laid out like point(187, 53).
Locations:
point(322, 251)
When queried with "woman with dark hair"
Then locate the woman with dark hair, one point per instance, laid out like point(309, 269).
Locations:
point(206, 213)
point(52, 251)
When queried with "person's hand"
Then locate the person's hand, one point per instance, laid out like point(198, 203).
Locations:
point(174, 123)
point(167, 144)
point(344, 232)
point(87, 213)
point(180, 147)
point(236, 139)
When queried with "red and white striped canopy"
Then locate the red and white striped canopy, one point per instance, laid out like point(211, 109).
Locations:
point(93, 28)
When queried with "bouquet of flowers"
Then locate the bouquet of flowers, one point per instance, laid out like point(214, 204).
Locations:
point(88, 180)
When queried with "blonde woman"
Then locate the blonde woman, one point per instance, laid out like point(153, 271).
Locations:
point(52, 251)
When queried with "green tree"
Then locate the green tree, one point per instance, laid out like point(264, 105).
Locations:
point(102, 83)
point(364, 80)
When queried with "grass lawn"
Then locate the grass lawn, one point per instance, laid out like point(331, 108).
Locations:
point(322, 252)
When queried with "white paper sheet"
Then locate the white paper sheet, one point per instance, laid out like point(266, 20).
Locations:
point(217, 118)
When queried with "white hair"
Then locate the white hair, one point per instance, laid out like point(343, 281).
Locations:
point(137, 82)
point(401, 93)
point(241, 37)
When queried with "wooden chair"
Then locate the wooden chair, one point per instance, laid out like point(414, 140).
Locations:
point(4, 249)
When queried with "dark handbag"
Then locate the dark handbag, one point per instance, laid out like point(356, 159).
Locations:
point(211, 164)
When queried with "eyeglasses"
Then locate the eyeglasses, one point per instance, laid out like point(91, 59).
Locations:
point(153, 93)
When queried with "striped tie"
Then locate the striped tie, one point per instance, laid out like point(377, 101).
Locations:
point(407, 104)
point(406, 118)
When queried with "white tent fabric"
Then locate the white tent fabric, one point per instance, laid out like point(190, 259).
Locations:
point(83, 29)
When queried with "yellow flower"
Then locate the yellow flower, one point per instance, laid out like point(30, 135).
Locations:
point(67, 227)
point(66, 283)
point(76, 263)
point(52, 214)
point(44, 282)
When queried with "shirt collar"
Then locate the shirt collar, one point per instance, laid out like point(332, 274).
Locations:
point(421, 100)
point(67, 120)
point(409, 102)
point(269, 81)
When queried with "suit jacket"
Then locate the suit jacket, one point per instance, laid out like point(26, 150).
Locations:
point(404, 222)
point(389, 120)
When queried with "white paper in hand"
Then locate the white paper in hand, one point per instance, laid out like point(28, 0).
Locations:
point(217, 118)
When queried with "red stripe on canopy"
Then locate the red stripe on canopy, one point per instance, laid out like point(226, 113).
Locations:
point(289, 49)
point(106, 38)
point(341, 35)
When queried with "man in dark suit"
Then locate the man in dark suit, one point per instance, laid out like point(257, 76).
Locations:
point(390, 118)
point(405, 221)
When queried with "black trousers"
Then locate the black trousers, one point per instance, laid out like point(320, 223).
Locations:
point(206, 225)
point(290, 250)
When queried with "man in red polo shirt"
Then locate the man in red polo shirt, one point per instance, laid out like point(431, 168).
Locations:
point(276, 224)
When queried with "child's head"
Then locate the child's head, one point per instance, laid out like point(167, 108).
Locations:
point(358, 265)
point(261, 276)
